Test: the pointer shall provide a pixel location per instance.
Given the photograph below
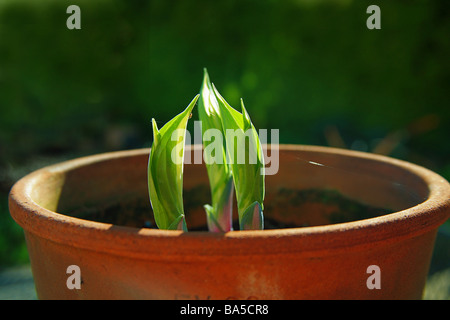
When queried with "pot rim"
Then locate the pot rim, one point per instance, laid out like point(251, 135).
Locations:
point(130, 241)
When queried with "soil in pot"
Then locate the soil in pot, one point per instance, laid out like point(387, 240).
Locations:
point(287, 208)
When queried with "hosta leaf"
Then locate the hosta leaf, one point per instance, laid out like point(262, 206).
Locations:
point(246, 161)
point(165, 171)
point(219, 214)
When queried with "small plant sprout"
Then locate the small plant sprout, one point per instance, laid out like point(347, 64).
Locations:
point(220, 213)
point(246, 162)
point(234, 160)
point(165, 171)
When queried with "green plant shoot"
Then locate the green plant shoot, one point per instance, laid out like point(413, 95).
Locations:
point(165, 171)
point(236, 166)
point(246, 162)
point(219, 214)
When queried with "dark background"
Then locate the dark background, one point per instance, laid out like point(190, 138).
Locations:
point(309, 68)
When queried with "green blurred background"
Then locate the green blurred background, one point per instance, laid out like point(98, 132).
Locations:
point(309, 68)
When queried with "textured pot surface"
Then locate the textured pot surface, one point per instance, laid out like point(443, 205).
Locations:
point(321, 261)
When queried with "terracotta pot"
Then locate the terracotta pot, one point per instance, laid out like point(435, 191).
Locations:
point(316, 262)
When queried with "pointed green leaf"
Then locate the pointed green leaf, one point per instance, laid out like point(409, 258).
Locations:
point(219, 214)
point(246, 160)
point(165, 171)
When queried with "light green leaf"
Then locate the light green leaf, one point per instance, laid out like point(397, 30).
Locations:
point(165, 171)
point(245, 156)
point(219, 214)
